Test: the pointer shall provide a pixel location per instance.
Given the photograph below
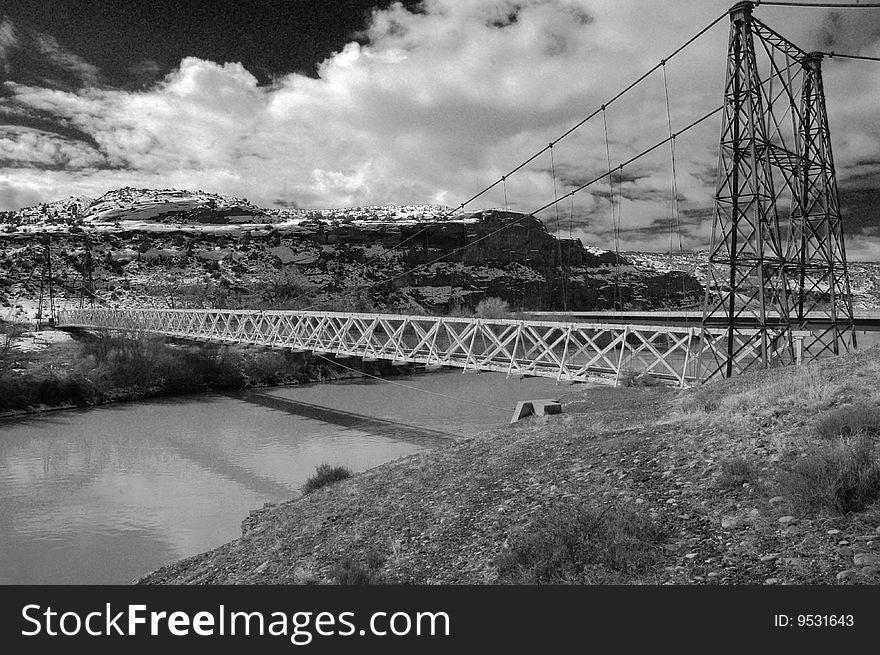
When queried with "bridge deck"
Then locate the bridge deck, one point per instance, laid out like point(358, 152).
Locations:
point(566, 351)
point(863, 321)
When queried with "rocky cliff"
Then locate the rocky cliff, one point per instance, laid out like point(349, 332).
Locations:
point(408, 266)
point(178, 248)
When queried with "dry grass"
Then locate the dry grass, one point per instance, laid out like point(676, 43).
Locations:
point(803, 387)
point(736, 471)
point(349, 571)
point(630, 378)
point(582, 544)
point(702, 400)
point(805, 390)
point(836, 478)
point(849, 420)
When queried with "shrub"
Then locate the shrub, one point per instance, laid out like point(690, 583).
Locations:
point(838, 478)
point(221, 369)
point(271, 367)
point(355, 301)
point(582, 544)
point(492, 308)
point(702, 400)
point(20, 391)
point(16, 391)
point(735, 472)
point(325, 474)
point(351, 572)
point(455, 307)
point(846, 421)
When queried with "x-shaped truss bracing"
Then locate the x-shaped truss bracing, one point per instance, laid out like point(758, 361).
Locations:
point(575, 352)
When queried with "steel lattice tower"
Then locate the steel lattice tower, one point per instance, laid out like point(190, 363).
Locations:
point(770, 274)
point(824, 301)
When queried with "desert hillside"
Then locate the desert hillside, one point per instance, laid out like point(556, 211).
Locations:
point(769, 478)
point(173, 248)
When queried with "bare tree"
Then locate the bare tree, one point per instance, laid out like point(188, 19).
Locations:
point(10, 333)
point(287, 286)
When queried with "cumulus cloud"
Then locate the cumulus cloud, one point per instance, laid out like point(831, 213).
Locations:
point(434, 105)
point(39, 149)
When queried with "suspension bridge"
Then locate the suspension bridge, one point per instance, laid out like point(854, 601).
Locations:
point(777, 288)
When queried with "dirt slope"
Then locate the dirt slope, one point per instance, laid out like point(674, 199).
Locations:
point(676, 457)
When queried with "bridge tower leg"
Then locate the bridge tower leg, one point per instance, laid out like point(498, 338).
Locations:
point(824, 300)
point(746, 310)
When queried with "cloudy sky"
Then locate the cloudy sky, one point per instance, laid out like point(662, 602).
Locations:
point(358, 102)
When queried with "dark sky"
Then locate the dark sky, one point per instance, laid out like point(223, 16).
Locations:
point(134, 43)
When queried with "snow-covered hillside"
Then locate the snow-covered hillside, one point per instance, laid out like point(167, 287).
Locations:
point(156, 209)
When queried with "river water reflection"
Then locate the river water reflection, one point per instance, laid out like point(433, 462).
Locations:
point(106, 494)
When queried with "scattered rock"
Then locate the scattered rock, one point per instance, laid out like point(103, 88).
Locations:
point(797, 563)
point(728, 522)
point(870, 571)
point(866, 559)
point(843, 576)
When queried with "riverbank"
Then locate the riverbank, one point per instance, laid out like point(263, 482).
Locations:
point(39, 373)
point(770, 478)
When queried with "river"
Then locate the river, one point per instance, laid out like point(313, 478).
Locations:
point(104, 495)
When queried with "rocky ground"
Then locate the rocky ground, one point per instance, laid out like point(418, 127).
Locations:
point(445, 516)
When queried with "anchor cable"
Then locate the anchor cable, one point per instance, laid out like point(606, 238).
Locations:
point(837, 55)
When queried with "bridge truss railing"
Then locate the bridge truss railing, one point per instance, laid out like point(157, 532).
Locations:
point(577, 352)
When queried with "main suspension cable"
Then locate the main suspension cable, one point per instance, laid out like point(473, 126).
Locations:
point(510, 224)
point(573, 128)
point(819, 5)
point(833, 55)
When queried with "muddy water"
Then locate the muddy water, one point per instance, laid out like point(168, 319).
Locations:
point(107, 494)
